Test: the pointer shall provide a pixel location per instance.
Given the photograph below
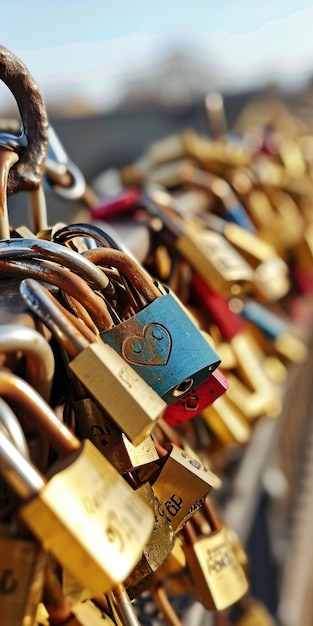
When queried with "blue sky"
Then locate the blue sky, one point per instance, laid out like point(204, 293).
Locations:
point(98, 43)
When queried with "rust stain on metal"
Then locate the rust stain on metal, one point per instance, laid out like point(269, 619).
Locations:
point(28, 171)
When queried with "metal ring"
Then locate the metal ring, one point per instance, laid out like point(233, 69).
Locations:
point(27, 172)
point(76, 189)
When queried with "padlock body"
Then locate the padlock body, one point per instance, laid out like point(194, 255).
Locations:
point(21, 580)
point(182, 486)
point(165, 348)
point(91, 521)
point(93, 423)
point(219, 578)
point(160, 543)
point(130, 401)
point(217, 262)
point(196, 400)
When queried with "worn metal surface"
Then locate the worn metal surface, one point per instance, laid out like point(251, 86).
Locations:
point(27, 173)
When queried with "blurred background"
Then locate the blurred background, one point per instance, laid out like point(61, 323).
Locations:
point(117, 76)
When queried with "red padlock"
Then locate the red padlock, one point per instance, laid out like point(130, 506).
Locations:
point(111, 207)
point(196, 400)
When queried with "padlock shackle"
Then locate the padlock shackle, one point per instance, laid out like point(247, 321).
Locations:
point(128, 266)
point(27, 173)
point(122, 607)
point(40, 248)
point(21, 475)
point(39, 355)
point(10, 424)
point(18, 392)
point(43, 305)
point(69, 232)
point(67, 281)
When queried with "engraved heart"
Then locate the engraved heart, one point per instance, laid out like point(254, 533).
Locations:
point(153, 347)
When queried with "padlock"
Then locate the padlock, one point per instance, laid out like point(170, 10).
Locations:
point(182, 485)
point(112, 207)
point(220, 580)
point(232, 210)
point(196, 400)
point(21, 577)
point(106, 376)
point(215, 156)
point(271, 273)
point(93, 423)
point(227, 422)
point(158, 546)
point(254, 404)
point(208, 252)
point(160, 342)
point(75, 513)
point(277, 327)
point(22, 559)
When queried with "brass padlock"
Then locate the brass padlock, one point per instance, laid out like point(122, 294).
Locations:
point(219, 578)
point(270, 272)
point(157, 548)
point(93, 423)
point(227, 422)
point(182, 485)
point(160, 342)
point(106, 376)
point(21, 577)
point(78, 506)
point(208, 252)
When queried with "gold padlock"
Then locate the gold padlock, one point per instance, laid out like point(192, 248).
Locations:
point(182, 485)
point(208, 252)
point(219, 578)
point(157, 548)
point(93, 423)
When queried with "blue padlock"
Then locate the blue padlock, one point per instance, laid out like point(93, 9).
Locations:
point(160, 342)
point(164, 347)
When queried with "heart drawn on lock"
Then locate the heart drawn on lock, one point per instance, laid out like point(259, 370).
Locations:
point(153, 347)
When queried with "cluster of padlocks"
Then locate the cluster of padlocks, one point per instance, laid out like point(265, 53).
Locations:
point(114, 421)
